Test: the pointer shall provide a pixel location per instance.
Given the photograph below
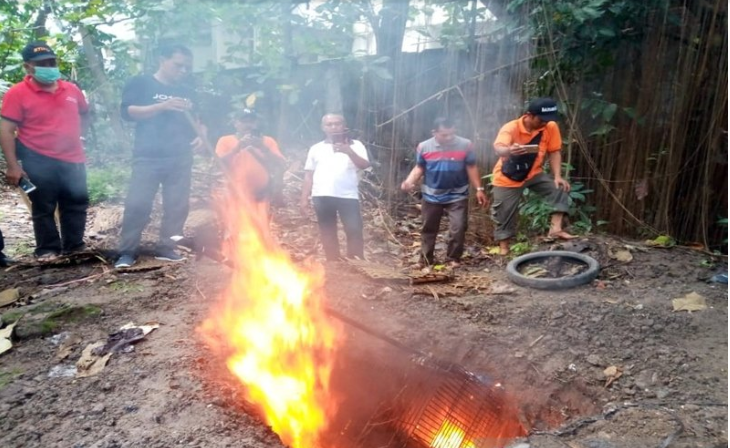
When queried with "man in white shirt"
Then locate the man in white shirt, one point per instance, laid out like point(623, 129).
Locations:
point(331, 180)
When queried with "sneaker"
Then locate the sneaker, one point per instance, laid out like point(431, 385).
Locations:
point(125, 261)
point(167, 254)
point(5, 261)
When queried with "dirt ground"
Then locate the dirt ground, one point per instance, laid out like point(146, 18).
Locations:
point(549, 349)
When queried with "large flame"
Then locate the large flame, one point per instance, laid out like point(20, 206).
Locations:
point(272, 322)
point(450, 435)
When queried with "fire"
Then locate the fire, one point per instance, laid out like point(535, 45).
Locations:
point(450, 436)
point(271, 321)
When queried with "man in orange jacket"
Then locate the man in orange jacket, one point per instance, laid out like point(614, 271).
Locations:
point(523, 145)
point(254, 162)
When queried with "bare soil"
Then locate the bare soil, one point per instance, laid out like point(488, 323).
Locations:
point(549, 349)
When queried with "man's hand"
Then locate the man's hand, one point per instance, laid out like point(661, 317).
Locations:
point(200, 142)
point(251, 140)
point(562, 184)
point(407, 185)
point(344, 148)
point(13, 175)
point(175, 105)
point(482, 199)
point(517, 150)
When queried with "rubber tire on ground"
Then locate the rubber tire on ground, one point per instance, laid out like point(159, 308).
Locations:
point(584, 277)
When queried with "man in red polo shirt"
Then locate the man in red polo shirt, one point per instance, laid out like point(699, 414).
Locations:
point(42, 120)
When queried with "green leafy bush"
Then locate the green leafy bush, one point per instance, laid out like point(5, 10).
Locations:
point(535, 212)
point(108, 183)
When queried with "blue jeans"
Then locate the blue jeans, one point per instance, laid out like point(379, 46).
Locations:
point(327, 208)
point(148, 174)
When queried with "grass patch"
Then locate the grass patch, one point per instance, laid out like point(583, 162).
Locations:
point(21, 248)
point(47, 318)
point(107, 183)
point(126, 287)
point(10, 317)
point(520, 248)
point(63, 316)
point(7, 376)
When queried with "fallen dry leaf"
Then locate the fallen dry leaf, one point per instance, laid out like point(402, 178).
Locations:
point(90, 364)
point(9, 296)
point(146, 328)
point(493, 250)
point(535, 271)
point(67, 346)
point(622, 255)
point(5, 335)
point(612, 373)
point(502, 288)
point(690, 302)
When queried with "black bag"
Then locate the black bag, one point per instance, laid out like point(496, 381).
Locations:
point(518, 167)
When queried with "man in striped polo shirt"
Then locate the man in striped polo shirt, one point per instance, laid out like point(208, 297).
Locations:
point(448, 164)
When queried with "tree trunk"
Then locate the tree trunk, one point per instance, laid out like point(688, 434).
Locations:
point(105, 93)
point(40, 31)
point(391, 27)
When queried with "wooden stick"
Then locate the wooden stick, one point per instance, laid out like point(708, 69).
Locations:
point(26, 199)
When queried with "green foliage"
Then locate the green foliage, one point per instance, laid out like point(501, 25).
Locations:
point(661, 241)
point(520, 248)
point(535, 212)
point(586, 36)
point(107, 183)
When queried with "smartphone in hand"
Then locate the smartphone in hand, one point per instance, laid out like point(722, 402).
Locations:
point(531, 149)
point(343, 137)
point(26, 185)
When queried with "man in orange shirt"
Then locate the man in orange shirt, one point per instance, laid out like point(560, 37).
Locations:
point(254, 161)
point(522, 146)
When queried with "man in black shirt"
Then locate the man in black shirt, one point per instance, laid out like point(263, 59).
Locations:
point(161, 105)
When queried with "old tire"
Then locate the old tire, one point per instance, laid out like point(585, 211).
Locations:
point(553, 283)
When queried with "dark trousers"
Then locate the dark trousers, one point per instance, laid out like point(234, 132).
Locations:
point(58, 184)
point(506, 202)
point(148, 174)
point(2, 242)
point(431, 213)
point(327, 208)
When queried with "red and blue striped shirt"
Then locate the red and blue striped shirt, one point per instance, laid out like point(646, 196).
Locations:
point(445, 177)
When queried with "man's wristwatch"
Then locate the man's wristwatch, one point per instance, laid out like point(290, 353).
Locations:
point(480, 188)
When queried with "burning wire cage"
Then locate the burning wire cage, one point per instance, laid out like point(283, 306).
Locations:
point(447, 406)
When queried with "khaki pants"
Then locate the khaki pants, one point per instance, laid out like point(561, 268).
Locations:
point(506, 201)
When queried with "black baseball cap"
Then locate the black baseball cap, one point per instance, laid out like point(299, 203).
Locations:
point(37, 51)
point(544, 108)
